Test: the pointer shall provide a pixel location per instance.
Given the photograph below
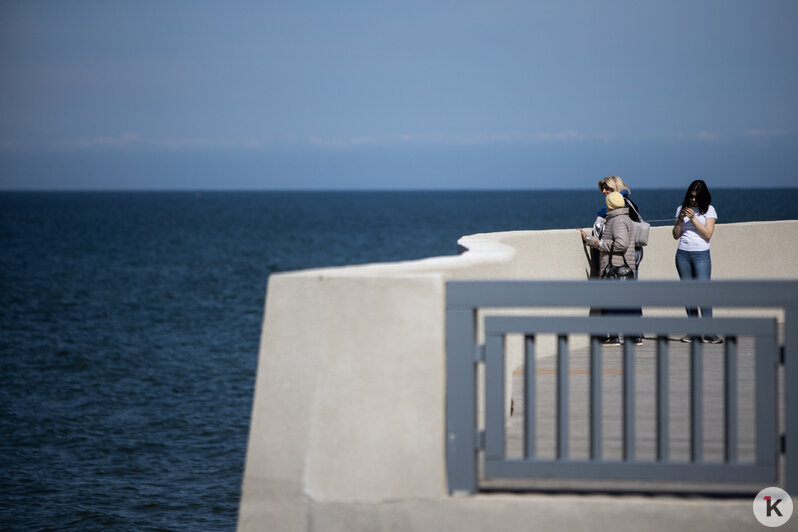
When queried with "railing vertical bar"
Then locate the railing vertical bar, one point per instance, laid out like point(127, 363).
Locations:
point(562, 397)
point(628, 399)
point(730, 399)
point(663, 386)
point(595, 398)
point(696, 400)
point(530, 434)
point(494, 397)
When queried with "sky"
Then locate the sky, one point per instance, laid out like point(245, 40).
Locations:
point(499, 94)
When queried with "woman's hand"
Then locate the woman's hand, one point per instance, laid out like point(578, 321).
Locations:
point(705, 230)
point(594, 244)
point(677, 225)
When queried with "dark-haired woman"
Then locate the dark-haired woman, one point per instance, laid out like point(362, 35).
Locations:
point(695, 223)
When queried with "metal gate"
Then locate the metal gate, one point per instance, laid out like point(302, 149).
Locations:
point(477, 450)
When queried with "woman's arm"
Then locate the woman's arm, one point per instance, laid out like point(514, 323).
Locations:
point(704, 230)
point(677, 227)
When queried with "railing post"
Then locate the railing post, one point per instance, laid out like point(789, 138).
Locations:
point(461, 412)
point(766, 408)
point(791, 398)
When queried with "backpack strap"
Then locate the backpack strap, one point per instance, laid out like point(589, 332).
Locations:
point(632, 205)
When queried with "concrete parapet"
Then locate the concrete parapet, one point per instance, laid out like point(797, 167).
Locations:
point(348, 419)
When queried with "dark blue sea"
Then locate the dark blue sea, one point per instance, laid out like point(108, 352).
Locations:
point(129, 328)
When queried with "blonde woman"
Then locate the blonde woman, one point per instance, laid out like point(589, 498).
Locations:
point(608, 185)
point(616, 248)
point(613, 183)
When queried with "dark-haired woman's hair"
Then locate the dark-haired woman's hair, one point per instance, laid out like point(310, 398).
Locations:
point(702, 196)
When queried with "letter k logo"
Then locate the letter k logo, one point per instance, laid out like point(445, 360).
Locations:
point(773, 506)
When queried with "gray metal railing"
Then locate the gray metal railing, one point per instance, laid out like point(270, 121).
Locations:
point(476, 444)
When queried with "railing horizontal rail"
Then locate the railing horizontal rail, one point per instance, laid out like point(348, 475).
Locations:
point(606, 294)
point(602, 324)
point(618, 470)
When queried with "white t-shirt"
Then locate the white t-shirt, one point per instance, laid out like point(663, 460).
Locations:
point(690, 239)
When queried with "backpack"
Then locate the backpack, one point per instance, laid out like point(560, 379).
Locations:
point(641, 228)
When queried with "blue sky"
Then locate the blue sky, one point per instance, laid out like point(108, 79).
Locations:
point(180, 94)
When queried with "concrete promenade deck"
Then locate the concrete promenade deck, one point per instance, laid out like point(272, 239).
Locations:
point(349, 429)
point(645, 402)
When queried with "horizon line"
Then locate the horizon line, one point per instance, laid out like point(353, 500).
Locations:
point(362, 189)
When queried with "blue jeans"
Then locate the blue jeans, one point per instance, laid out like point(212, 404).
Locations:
point(695, 265)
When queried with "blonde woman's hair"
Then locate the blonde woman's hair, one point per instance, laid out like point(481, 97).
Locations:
point(614, 182)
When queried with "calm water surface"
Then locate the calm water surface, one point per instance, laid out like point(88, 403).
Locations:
point(129, 328)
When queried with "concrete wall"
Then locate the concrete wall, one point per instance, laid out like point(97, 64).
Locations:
point(347, 429)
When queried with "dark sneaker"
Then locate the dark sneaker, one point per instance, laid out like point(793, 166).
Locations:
point(611, 341)
point(714, 339)
point(637, 340)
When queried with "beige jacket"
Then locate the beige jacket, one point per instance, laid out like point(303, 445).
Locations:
point(619, 235)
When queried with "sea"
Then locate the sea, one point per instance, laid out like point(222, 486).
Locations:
point(130, 322)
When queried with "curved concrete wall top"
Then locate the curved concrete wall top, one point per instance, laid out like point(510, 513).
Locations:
point(347, 429)
point(748, 250)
